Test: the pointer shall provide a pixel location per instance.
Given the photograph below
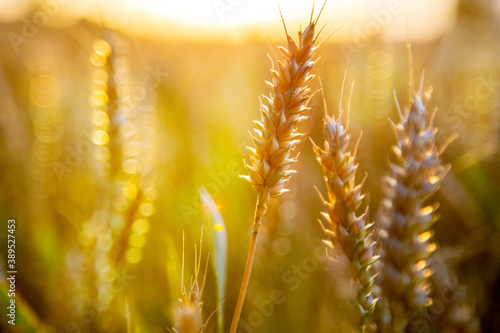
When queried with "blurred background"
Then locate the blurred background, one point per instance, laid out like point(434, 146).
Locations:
point(114, 113)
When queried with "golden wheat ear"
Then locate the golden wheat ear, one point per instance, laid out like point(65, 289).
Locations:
point(276, 135)
point(348, 228)
point(406, 218)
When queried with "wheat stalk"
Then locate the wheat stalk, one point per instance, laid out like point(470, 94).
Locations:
point(276, 136)
point(406, 219)
point(348, 230)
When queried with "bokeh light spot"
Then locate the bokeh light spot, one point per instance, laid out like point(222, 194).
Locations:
point(102, 48)
point(99, 98)
point(100, 76)
point(147, 209)
point(101, 138)
point(137, 240)
point(141, 226)
point(101, 118)
point(98, 60)
point(134, 255)
point(130, 191)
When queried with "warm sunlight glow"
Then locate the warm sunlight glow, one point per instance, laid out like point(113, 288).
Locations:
point(220, 12)
point(236, 20)
point(360, 19)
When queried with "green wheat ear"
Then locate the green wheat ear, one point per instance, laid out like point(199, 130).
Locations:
point(216, 235)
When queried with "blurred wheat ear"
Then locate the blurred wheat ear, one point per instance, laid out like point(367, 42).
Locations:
point(276, 136)
point(348, 230)
point(189, 312)
point(115, 234)
point(406, 218)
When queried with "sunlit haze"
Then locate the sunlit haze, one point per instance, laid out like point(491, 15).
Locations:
point(232, 20)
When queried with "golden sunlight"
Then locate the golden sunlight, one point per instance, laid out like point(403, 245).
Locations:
point(236, 20)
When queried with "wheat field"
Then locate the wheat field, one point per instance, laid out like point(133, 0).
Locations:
point(132, 193)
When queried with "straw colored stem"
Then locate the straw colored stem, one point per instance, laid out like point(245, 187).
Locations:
point(260, 210)
point(244, 284)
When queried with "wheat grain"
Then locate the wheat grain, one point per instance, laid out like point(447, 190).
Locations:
point(348, 230)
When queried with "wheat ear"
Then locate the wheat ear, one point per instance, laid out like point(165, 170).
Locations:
point(406, 219)
point(189, 313)
point(276, 136)
point(348, 230)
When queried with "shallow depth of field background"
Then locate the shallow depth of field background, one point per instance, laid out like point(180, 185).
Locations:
point(191, 94)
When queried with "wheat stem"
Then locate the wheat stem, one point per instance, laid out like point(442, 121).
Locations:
point(244, 284)
point(260, 210)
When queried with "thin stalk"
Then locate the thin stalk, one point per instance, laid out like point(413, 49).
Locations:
point(244, 284)
point(260, 210)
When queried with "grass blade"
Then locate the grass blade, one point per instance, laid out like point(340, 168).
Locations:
point(215, 231)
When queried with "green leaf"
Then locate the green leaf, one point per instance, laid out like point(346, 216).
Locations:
point(215, 231)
